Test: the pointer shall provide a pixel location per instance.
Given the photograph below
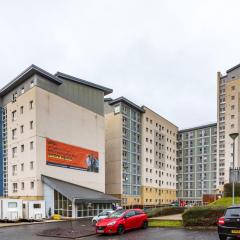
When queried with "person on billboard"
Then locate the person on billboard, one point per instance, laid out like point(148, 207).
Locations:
point(89, 161)
point(92, 163)
point(95, 164)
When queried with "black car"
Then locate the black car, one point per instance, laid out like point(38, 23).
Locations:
point(229, 224)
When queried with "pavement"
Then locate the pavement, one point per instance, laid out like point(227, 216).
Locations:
point(31, 232)
point(175, 217)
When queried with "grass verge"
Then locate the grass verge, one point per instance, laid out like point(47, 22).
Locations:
point(225, 202)
point(165, 223)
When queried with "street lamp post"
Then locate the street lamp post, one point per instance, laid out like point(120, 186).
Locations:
point(233, 136)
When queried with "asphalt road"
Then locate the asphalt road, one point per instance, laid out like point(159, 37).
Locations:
point(28, 232)
point(161, 234)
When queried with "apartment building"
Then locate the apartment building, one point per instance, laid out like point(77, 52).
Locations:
point(228, 88)
point(123, 122)
point(53, 144)
point(159, 137)
point(197, 163)
point(140, 154)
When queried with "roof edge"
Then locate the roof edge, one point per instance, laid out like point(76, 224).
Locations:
point(27, 73)
point(198, 127)
point(93, 190)
point(160, 115)
point(233, 68)
point(84, 82)
point(128, 102)
point(44, 176)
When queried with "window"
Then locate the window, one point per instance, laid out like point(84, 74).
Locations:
point(130, 214)
point(232, 125)
point(31, 145)
point(14, 170)
point(232, 97)
point(22, 129)
point(31, 165)
point(12, 204)
point(14, 133)
point(36, 205)
point(233, 88)
point(31, 83)
point(21, 110)
point(32, 185)
point(22, 185)
point(22, 148)
point(232, 116)
point(14, 97)
point(31, 104)
point(22, 90)
point(14, 115)
point(31, 124)
point(22, 167)
point(232, 107)
point(14, 189)
point(14, 152)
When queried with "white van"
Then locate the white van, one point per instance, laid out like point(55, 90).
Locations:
point(34, 210)
point(11, 209)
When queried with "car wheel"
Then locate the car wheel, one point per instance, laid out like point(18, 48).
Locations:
point(120, 229)
point(145, 225)
point(94, 222)
point(221, 237)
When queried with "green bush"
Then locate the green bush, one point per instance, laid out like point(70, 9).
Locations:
point(164, 211)
point(202, 216)
point(228, 190)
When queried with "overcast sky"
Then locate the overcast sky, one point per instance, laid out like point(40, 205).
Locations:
point(164, 54)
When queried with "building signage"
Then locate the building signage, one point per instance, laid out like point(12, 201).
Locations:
point(69, 156)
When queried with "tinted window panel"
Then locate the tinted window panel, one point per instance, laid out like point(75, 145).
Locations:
point(233, 212)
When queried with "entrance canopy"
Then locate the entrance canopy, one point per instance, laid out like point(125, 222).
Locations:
point(78, 193)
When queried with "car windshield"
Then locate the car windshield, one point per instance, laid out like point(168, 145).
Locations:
point(104, 213)
point(232, 212)
point(117, 214)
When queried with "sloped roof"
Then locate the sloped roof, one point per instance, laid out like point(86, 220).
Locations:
point(27, 73)
point(84, 82)
point(233, 68)
point(126, 101)
point(57, 78)
point(78, 193)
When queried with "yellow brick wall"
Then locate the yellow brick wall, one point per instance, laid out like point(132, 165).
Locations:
point(155, 196)
point(131, 200)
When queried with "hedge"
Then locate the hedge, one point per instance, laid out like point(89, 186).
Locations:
point(228, 190)
point(164, 211)
point(202, 216)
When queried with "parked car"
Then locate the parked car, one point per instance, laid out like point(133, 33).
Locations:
point(174, 204)
point(122, 220)
point(104, 214)
point(229, 224)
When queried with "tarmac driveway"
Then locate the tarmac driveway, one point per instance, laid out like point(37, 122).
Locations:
point(29, 232)
point(162, 234)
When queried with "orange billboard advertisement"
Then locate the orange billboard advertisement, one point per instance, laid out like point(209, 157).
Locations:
point(69, 156)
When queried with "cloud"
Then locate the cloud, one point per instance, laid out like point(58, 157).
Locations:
point(163, 54)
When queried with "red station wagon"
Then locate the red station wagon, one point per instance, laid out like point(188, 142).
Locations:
point(122, 220)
